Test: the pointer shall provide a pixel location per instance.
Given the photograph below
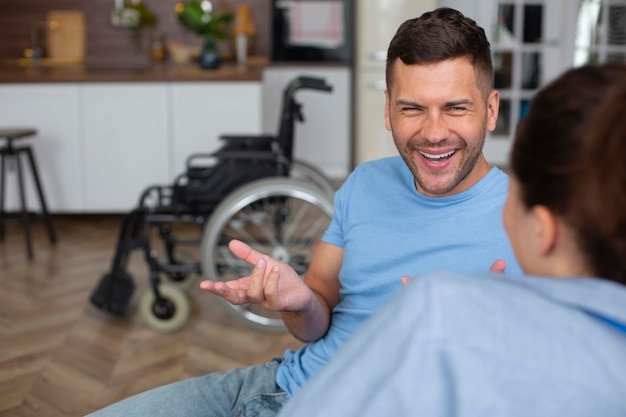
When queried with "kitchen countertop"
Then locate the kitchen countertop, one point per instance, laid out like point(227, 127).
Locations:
point(16, 72)
point(21, 71)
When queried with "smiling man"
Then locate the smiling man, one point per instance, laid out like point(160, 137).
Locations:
point(439, 116)
point(440, 103)
point(436, 207)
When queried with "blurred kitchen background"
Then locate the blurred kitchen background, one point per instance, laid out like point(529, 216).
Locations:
point(119, 102)
point(102, 94)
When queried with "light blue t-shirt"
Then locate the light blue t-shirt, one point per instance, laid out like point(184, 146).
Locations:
point(387, 229)
point(452, 344)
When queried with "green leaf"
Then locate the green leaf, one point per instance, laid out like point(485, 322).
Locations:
point(208, 24)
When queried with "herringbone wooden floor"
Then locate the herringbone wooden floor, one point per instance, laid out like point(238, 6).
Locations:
point(60, 356)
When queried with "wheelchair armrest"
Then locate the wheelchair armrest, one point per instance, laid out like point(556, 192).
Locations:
point(247, 154)
point(155, 196)
point(199, 172)
point(208, 159)
point(248, 141)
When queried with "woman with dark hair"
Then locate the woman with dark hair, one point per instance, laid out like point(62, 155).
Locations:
point(552, 343)
point(552, 142)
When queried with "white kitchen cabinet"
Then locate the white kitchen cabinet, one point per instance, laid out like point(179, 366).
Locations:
point(125, 146)
point(324, 139)
point(201, 112)
point(100, 145)
point(51, 109)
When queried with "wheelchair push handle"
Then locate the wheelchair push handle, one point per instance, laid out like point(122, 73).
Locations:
point(307, 82)
point(315, 83)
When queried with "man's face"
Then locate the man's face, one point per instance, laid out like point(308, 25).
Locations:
point(438, 118)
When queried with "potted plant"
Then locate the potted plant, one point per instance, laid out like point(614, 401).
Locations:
point(199, 17)
point(134, 15)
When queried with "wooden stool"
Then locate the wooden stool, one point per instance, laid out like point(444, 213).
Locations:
point(12, 153)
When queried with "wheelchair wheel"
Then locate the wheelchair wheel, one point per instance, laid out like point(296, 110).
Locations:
point(168, 316)
point(280, 217)
point(306, 172)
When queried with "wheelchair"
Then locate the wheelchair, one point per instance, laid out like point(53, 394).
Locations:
point(251, 189)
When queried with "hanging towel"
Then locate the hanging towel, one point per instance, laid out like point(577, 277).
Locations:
point(317, 23)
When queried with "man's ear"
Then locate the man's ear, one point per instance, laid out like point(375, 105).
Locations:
point(546, 230)
point(493, 108)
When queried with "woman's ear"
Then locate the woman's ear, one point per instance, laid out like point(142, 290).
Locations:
point(546, 230)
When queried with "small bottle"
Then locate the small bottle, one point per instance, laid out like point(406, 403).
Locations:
point(244, 30)
point(158, 53)
point(241, 48)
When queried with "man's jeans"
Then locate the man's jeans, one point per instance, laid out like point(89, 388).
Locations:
point(246, 392)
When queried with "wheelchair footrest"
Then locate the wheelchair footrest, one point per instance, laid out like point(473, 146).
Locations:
point(113, 293)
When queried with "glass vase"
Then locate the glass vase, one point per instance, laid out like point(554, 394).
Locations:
point(209, 57)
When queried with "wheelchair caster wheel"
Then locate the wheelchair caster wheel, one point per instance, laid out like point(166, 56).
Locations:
point(181, 280)
point(166, 316)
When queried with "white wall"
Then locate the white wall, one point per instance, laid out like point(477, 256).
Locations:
point(324, 138)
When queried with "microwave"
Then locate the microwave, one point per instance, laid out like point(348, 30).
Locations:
point(312, 30)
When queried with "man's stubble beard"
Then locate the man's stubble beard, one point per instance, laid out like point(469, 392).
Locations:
point(459, 175)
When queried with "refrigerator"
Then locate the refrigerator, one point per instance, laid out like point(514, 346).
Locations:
point(375, 24)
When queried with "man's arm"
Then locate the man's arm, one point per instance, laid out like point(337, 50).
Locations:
point(322, 278)
point(306, 304)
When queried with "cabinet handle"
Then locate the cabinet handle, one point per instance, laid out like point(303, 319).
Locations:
point(377, 85)
point(378, 55)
